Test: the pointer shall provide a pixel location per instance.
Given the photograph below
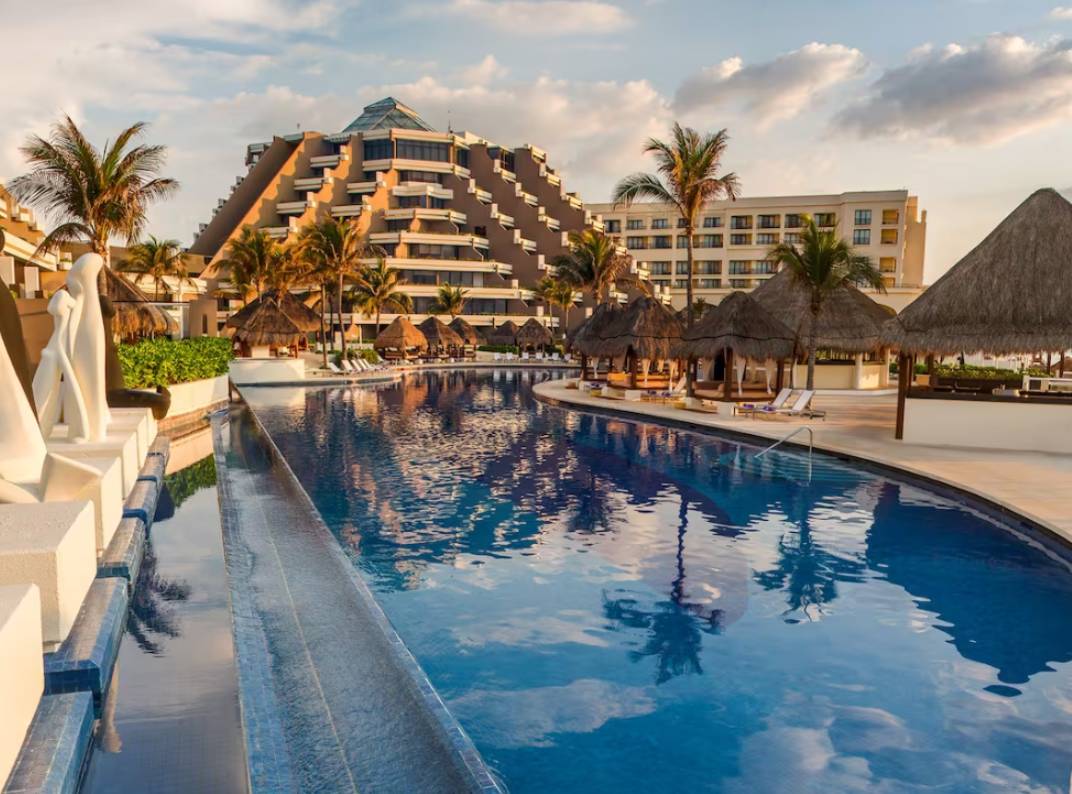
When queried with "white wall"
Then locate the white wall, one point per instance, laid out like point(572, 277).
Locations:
point(266, 370)
point(197, 395)
point(989, 425)
point(22, 677)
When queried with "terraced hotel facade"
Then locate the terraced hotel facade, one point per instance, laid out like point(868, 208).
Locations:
point(446, 208)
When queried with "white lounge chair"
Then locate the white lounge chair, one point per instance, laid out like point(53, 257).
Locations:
point(348, 365)
point(802, 407)
point(773, 407)
point(524, 356)
point(335, 368)
point(497, 356)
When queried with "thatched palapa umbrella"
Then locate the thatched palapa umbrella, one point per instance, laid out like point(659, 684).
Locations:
point(470, 336)
point(439, 335)
point(505, 334)
point(268, 325)
point(401, 336)
point(584, 337)
point(134, 315)
point(534, 334)
point(647, 329)
point(738, 326)
point(301, 315)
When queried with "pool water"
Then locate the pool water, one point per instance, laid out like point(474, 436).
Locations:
point(614, 606)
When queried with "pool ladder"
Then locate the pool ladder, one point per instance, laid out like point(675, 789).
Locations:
point(811, 445)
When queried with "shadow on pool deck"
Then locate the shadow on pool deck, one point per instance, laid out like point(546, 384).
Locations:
point(331, 699)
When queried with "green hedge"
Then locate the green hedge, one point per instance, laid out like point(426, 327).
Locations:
point(498, 348)
point(973, 371)
point(163, 362)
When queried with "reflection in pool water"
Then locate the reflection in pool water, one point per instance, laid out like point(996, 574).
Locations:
point(615, 606)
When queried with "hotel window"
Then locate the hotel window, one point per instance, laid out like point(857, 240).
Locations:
point(659, 268)
point(709, 268)
point(861, 237)
point(378, 150)
point(764, 267)
point(431, 251)
point(889, 236)
point(710, 283)
point(634, 223)
point(460, 279)
point(423, 305)
point(682, 268)
point(709, 241)
point(766, 238)
point(660, 223)
point(740, 283)
point(398, 225)
point(887, 264)
point(424, 277)
point(422, 150)
point(487, 306)
point(712, 222)
point(613, 227)
point(682, 241)
point(681, 223)
point(792, 238)
point(861, 218)
point(793, 221)
point(415, 176)
point(741, 222)
point(437, 203)
point(462, 157)
point(662, 241)
point(825, 219)
point(740, 266)
point(636, 243)
point(889, 281)
point(740, 239)
point(681, 283)
point(409, 202)
point(890, 217)
point(769, 221)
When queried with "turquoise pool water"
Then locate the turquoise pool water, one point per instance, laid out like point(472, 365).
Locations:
point(612, 606)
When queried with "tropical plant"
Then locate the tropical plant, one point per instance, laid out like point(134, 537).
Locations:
point(593, 263)
point(251, 259)
point(378, 289)
point(163, 362)
point(91, 194)
point(699, 306)
point(824, 262)
point(556, 292)
point(157, 260)
point(450, 300)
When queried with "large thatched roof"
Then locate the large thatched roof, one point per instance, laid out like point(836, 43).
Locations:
point(1012, 293)
point(534, 334)
point(587, 333)
point(739, 323)
point(849, 321)
point(469, 335)
point(439, 334)
point(646, 326)
point(134, 314)
point(401, 334)
point(302, 316)
point(505, 334)
point(268, 324)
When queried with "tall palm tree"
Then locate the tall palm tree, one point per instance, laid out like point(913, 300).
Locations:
point(824, 263)
point(378, 289)
point(157, 260)
point(593, 263)
point(92, 194)
point(689, 166)
point(450, 300)
point(556, 293)
point(251, 259)
point(334, 249)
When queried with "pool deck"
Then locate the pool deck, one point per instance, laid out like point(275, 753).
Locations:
point(1035, 485)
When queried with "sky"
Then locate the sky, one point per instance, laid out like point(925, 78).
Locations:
point(965, 103)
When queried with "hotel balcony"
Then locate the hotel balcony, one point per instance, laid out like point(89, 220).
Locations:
point(512, 292)
point(448, 265)
point(294, 207)
point(552, 179)
point(278, 232)
point(430, 238)
point(506, 221)
point(329, 160)
point(426, 214)
point(528, 198)
point(509, 176)
point(429, 189)
point(483, 196)
point(434, 166)
point(312, 182)
point(365, 187)
point(573, 200)
point(347, 210)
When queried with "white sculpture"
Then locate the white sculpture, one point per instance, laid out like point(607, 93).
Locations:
point(56, 364)
point(87, 350)
point(739, 365)
point(28, 472)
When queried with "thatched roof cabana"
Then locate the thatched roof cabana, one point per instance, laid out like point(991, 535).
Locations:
point(470, 336)
point(400, 335)
point(134, 314)
point(587, 333)
point(1012, 293)
point(741, 325)
point(505, 334)
point(268, 325)
point(646, 327)
point(438, 334)
point(301, 315)
point(534, 334)
point(352, 332)
point(849, 321)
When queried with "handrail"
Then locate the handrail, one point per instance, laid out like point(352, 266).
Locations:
point(811, 445)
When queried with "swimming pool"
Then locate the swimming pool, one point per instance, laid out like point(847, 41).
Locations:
point(613, 606)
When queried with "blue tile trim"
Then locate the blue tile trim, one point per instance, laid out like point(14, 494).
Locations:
point(56, 746)
point(124, 554)
point(153, 469)
point(141, 503)
point(85, 660)
point(161, 447)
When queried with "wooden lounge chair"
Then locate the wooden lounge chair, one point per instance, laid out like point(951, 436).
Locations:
point(772, 407)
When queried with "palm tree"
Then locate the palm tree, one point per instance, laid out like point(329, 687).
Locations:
point(556, 292)
point(450, 300)
point(92, 194)
point(593, 263)
point(690, 166)
point(334, 249)
point(159, 260)
point(251, 259)
point(824, 263)
point(378, 289)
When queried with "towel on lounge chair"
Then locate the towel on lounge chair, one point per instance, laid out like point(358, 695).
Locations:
point(773, 407)
point(802, 407)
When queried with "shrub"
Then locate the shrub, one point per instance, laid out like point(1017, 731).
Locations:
point(164, 362)
point(498, 348)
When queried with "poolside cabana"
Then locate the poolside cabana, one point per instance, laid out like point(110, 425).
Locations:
point(584, 337)
point(1011, 294)
point(439, 336)
point(645, 331)
point(738, 329)
point(399, 340)
point(301, 315)
point(471, 338)
point(849, 332)
point(135, 315)
point(505, 334)
point(267, 329)
point(535, 335)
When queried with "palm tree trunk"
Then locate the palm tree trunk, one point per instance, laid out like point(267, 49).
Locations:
point(323, 334)
point(689, 387)
point(377, 321)
point(813, 333)
point(341, 331)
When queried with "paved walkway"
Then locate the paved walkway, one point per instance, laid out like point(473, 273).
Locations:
point(1036, 485)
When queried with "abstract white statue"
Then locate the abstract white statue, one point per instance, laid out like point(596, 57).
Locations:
point(48, 387)
point(87, 349)
point(28, 472)
point(739, 365)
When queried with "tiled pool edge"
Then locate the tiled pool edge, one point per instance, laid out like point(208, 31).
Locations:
point(463, 752)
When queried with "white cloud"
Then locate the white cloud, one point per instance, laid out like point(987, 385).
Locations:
point(1061, 12)
point(484, 72)
point(545, 17)
point(984, 93)
point(774, 90)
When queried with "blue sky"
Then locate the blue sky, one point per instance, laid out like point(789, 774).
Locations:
point(966, 103)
